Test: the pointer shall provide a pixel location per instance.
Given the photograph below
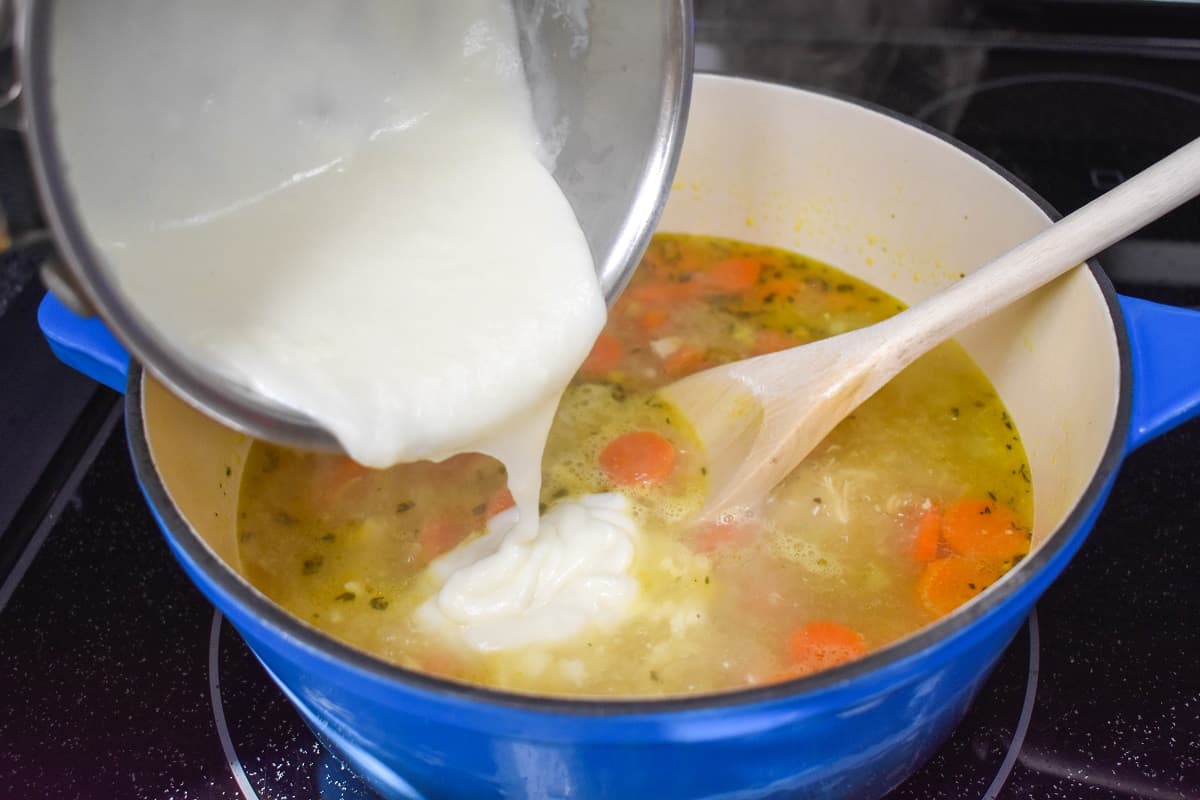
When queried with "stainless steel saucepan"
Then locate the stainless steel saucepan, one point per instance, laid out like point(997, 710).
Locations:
point(610, 84)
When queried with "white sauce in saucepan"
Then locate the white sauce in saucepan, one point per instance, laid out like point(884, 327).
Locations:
point(346, 207)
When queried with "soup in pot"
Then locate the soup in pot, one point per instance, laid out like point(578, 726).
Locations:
point(914, 505)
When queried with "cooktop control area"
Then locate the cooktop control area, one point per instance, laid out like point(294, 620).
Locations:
point(120, 680)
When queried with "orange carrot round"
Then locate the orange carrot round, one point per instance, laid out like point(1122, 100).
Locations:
point(822, 645)
point(732, 275)
point(641, 458)
point(441, 536)
point(605, 355)
point(501, 500)
point(929, 534)
point(684, 361)
point(652, 320)
point(985, 529)
point(947, 583)
point(769, 341)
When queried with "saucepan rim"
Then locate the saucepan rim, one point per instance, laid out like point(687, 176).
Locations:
point(270, 614)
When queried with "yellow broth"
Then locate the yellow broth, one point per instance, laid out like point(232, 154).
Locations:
point(912, 506)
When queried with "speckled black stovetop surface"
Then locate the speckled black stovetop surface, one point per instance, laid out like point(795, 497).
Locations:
point(119, 681)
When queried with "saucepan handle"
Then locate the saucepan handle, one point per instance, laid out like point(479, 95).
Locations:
point(1164, 342)
point(83, 343)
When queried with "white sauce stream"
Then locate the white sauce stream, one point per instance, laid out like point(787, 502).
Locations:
point(346, 207)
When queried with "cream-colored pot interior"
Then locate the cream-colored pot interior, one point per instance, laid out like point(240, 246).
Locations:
point(884, 201)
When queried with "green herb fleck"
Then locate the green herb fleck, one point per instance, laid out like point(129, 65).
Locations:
point(405, 506)
point(345, 597)
point(313, 565)
point(378, 603)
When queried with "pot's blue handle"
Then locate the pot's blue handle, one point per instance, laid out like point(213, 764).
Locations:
point(1165, 344)
point(83, 343)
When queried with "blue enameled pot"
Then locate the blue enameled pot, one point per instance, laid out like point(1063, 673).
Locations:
point(1086, 375)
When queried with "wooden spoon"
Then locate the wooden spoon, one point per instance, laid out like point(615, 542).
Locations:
point(760, 417)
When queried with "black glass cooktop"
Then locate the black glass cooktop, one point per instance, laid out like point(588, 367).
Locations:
point(120, 681)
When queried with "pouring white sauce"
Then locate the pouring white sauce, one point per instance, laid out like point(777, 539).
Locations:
point(346, 207)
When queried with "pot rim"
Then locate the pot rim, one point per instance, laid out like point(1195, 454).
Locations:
point(938, 632)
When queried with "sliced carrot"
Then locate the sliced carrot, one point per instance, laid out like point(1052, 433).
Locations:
point(768, 341)
point(985, 529)
point(822, 645)
point(929, 534)
point(501, 500)
point(652, 320)
point(684, 361)
point(441, 536)
point(714, 536)
point(638, 459)
point(605, 355)
point(947, 583)
point(732, 275)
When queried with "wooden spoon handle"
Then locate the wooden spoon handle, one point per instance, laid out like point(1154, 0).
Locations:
point(1077, 237)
